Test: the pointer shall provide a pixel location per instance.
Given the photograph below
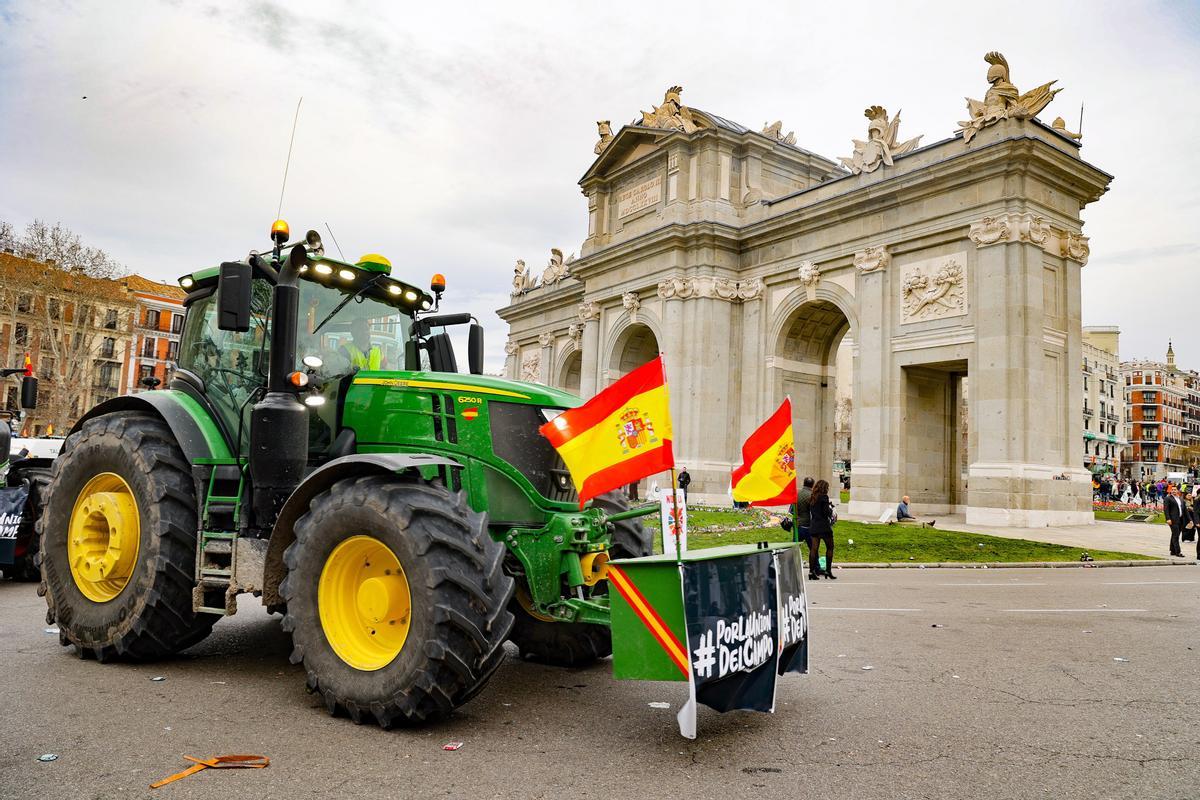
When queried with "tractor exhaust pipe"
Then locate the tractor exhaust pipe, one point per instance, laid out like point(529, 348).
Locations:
point(279, 422)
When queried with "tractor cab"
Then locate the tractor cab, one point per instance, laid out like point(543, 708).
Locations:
point(349, 318)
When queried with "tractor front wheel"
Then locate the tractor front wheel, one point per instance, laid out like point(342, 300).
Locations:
point(396, 600)
point(118, 541)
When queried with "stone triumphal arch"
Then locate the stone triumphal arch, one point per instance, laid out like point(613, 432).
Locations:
point(748, 261)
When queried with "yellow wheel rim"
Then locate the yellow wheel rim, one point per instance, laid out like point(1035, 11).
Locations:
point(525, 600)
point(365, 603)
point(103, 539)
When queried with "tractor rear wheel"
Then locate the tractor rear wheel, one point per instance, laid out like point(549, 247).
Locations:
point(577, 644)
point(118, 541)
point(396, 600)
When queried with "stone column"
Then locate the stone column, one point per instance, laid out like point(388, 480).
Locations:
point(706, 433)
point(874, 449)
point(752, 393)
point(1022, 386)
point(672, 291)
point(512, 369)
point(546, 340)
point(589, 372)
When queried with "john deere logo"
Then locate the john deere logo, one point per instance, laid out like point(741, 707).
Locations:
point(635, 430)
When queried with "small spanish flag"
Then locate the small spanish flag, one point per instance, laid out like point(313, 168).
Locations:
point(619, 436)
point(767, 476)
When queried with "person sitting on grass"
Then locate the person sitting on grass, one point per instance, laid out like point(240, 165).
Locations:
point(904, 515)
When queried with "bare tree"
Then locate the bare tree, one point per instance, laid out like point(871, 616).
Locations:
point(68, 290)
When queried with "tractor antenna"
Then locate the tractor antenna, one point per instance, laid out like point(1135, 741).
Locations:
point(335, 241)
point(288, 163)
point(1081, 118)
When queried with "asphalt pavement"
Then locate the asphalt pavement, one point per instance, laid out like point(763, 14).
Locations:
point(1014, 683)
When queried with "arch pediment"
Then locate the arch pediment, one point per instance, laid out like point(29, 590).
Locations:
point(631, 143)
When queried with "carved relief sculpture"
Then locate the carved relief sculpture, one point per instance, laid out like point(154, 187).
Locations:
point(1075, 247)
point(989, 230)
point(545, 339)
point(725, 289)
point(531, 367)
point(556, 270)
point(631, 302)
point(675, 288)
point(575, 332)
point(881, 144)
point(775, 131)
point(1030, 227)
point(872, 259)
point(1002, 100)
point(671, 115)
point(751, 289)
point(588, 310)
point(934, 295)
point(809, 273)
point(606, 136)
point(523, 280)
point(511, 347)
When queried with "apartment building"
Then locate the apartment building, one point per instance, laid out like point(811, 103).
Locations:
point(157, 323)
point(1161, 405)
point(1103, 401)
point(76, 330)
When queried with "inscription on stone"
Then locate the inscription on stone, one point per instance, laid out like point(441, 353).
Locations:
point(639, 196)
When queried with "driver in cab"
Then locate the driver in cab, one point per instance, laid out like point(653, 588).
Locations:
point(360, 351)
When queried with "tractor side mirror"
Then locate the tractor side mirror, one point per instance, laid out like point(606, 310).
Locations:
point(475, 348)
point(29, 392)
point(233, 296)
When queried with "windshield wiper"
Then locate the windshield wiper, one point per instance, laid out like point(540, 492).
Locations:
point(342, 304)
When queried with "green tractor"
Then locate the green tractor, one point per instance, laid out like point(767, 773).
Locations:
point(319, 448)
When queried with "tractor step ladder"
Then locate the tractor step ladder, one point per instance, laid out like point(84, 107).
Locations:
point(218, 539)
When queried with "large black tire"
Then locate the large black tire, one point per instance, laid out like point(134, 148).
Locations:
point(459, 596)
point(152, 616)
point(577, 644)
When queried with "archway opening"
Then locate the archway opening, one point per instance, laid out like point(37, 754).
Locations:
point(636, 345)
point(572, 369)
point(814, 366)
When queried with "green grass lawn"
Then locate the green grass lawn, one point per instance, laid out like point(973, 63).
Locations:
point(892, 543)
point(1157, 519)
point(845, 496)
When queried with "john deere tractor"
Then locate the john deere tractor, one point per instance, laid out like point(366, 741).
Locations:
point(319, 448)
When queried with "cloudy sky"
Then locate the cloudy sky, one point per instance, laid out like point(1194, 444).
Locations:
point(450, 136)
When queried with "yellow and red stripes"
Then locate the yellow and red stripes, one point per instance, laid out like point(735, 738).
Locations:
point(650, 618)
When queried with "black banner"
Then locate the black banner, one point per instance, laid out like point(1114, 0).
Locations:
point(12, 506)
point(732, 611)
point(793, 611)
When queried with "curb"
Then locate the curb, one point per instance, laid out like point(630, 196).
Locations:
point(1013, 564)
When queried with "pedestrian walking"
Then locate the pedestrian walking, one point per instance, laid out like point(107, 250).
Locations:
point(1177, 515)
point(685, 480)
point(822, 518)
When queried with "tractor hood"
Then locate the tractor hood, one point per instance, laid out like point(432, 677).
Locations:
point(485, 386)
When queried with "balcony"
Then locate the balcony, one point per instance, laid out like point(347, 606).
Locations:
point(150, 330)
point(1087, 412)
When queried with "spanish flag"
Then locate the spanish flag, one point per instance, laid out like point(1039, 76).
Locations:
point(619, 436)
point(767, 476)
